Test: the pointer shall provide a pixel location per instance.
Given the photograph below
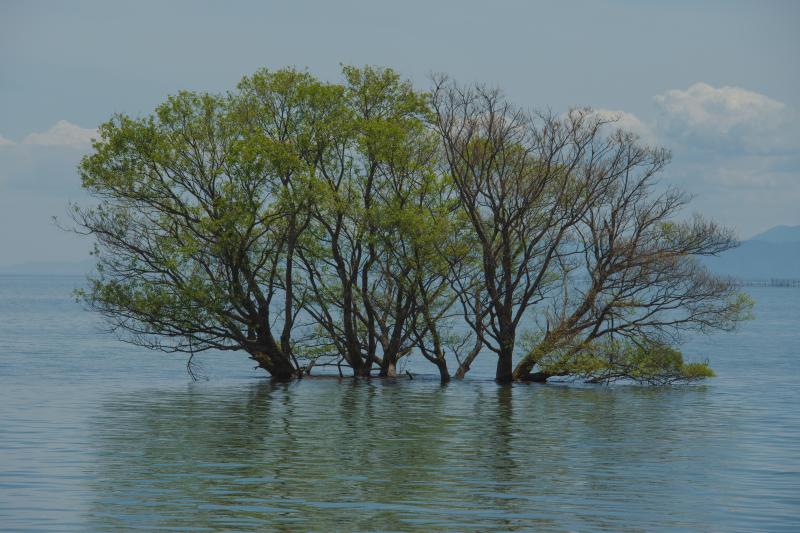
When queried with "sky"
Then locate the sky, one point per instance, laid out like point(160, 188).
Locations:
point(715, 82)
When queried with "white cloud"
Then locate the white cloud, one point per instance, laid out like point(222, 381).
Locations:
point(725, 119)
point(628, 122)
point(63, 133)
point(702, 105)
point(46, 161)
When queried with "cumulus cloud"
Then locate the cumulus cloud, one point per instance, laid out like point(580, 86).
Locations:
point(45, 161)
point(63, 133)
point(725, 119)
point(628, 122)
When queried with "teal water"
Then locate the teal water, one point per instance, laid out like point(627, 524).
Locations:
point(96, 435)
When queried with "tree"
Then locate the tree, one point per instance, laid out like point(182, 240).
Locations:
point(292, 123)
point(643, 288)
point(360, 273)
point(556, 200)
point(200, 206)
point(357, 223)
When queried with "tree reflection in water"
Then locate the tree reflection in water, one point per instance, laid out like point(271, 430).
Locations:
point(391, 455)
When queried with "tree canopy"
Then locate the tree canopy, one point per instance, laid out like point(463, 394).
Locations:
point(352, 224)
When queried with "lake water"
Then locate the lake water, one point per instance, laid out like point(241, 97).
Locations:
point(96, 435)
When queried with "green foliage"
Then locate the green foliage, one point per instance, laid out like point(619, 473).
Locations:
point(220, 218)
point(612, 360)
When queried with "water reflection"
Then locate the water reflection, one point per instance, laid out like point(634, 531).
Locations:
point(328, 455)
point(95, 435)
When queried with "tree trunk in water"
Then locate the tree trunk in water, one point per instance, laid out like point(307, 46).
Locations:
point(353, 351)
point(465, 365)
point(525, 366)
point(444, 374)
point(362, 371)
point(389, 362)
point(504, 373)
point(279, 367)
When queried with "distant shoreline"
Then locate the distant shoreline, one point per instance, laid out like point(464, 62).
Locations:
point(773, 282)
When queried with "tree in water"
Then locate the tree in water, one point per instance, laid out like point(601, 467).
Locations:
point(356, 289)
point(199, 210)
point(576, 237)
point(354, 224)
point(276, 219)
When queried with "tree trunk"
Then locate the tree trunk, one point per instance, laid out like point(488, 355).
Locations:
point(525, 366)
point(362, 369)
point(553, 340)
point(389, 362)
point(465, 365)
point(278, 366)
point(444, 374)
point(353, 353)
point(506, 338)
point(288, 302)
point(504, 373)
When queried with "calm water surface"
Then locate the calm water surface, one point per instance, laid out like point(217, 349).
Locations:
point(97, 436)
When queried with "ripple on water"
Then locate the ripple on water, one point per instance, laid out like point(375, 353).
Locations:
point(100, 436)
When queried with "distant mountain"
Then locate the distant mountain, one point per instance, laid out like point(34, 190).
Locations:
point(50, 268)
point(779, 234)
point(759, 260)
point(772, 254)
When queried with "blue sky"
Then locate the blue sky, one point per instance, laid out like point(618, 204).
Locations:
point(716, 82)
